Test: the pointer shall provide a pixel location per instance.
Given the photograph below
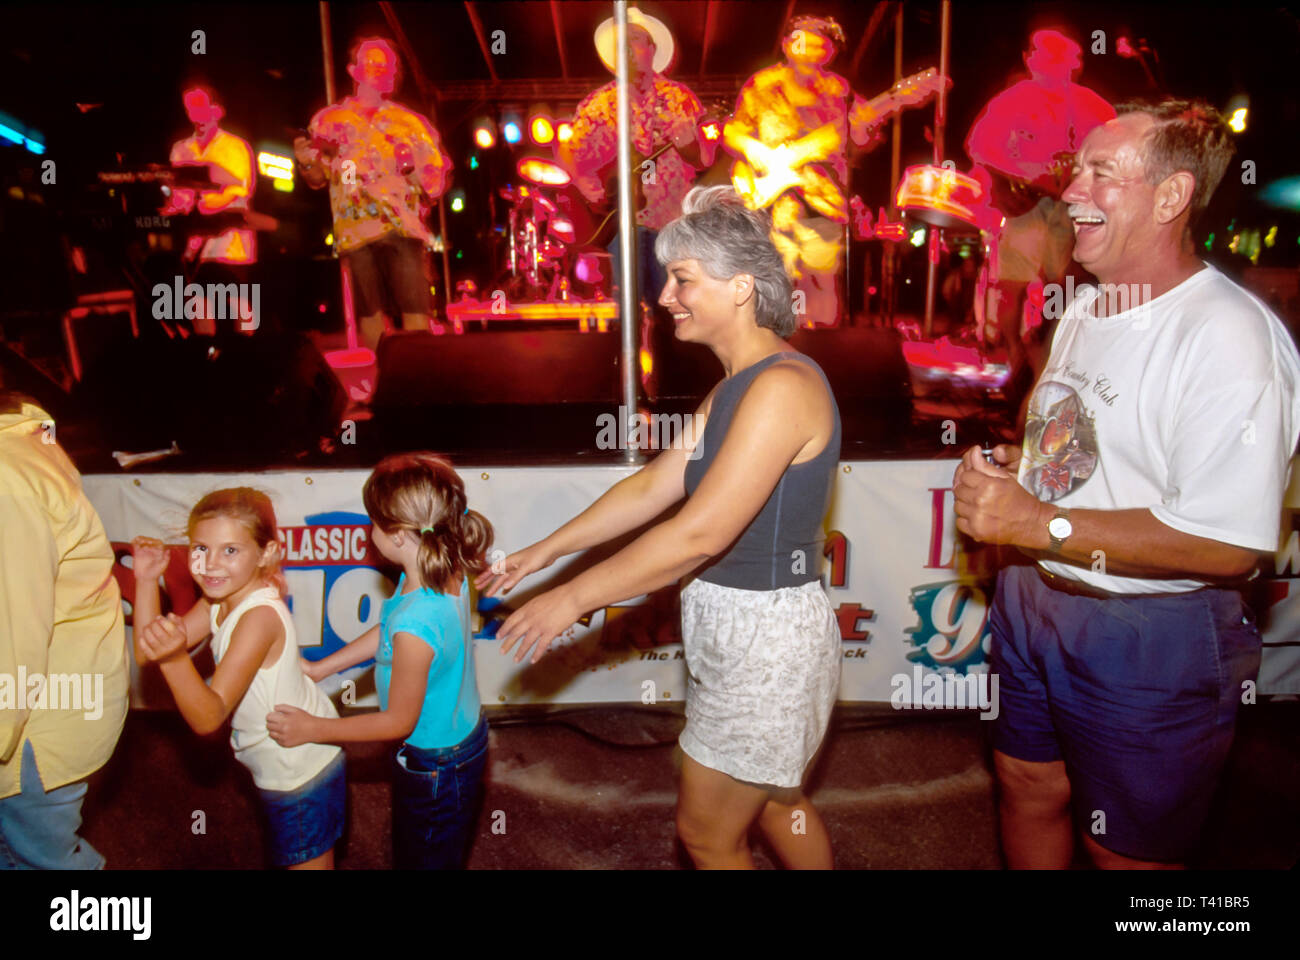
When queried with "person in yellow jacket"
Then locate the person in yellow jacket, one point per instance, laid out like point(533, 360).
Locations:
point(63, 669)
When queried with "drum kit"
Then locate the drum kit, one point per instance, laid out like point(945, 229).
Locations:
point(543, 253)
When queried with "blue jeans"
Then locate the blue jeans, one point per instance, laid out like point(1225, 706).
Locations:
point(38, 828)
point(436, 799)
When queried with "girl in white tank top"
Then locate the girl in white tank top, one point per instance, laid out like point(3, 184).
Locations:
point(234, 558)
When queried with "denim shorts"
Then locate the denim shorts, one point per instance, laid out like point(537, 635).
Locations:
point(1138, 695)
point(308, 821)
point(436, 799)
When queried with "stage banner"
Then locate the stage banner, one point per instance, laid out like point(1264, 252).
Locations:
point(912, 604)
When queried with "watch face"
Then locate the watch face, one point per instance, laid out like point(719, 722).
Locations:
point(1059, 527)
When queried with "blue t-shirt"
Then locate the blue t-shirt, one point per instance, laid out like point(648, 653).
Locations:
point(451, 702)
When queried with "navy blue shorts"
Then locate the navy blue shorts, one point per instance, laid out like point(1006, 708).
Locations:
point(1138, 695)
point(306, 822)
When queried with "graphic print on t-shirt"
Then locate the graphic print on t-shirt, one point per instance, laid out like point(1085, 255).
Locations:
point(1060, 450)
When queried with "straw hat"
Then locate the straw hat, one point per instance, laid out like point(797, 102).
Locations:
point(659, 33)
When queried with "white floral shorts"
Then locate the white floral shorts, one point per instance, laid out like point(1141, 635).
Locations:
point(763, 673)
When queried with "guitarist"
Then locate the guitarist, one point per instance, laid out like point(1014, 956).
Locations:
point(801, 103)
point(667, 151)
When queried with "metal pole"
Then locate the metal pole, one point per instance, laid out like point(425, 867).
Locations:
point(350, 357)
point(327, 47)
point(940, 117)
point(629, 319)
point(889, 256)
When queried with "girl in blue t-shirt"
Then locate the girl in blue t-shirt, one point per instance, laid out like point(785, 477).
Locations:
point(424, 662)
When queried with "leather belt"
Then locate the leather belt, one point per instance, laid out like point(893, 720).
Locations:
point(1077, 589)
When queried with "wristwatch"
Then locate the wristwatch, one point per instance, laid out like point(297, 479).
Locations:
point(1059, 529)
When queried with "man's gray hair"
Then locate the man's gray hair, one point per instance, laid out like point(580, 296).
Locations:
point(1187, 135)
point(727, 238)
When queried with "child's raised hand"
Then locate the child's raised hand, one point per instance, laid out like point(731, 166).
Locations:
point(148, 558)
point(163, 639)
point(290, 726)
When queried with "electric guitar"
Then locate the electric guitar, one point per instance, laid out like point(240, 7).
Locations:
point(766, 172)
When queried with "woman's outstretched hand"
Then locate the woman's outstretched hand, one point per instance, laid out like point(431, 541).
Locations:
point(505, 573)
point(538, 622)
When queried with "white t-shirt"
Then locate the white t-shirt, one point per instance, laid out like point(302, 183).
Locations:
point(1186, 405)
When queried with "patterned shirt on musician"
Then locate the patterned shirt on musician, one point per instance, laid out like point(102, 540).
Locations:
point(659, 106)
point(373, 198)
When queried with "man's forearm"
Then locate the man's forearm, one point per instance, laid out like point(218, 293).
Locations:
point(1133, 543)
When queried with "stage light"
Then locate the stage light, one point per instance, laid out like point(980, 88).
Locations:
point(510, 132)
point(484, 137)
point(329, 239)
point(541, 131)
point(543, 171)
point(321, 307)
point(918, 238)
point(1237, 111)
point(711, 131)
point(564, 132)
point(473, 162)
point(457, 203)
point(274, 165)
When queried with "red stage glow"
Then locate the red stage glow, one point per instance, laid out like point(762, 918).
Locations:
point(1030, 131)
point(564, 132)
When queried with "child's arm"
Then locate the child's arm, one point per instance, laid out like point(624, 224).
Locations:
point(362, 648)
point(290, 726)
point(149, 560)
point(205, 707)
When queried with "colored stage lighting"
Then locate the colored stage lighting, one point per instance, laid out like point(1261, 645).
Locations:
point(484, 137)
point(564, 132)
point(510, 131)
point(541, 131)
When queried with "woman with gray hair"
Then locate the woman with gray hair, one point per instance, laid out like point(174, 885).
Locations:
point(763, 649)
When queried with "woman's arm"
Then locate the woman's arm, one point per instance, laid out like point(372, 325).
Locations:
point(290, 726)
point(362, 648)
point(779, 414)
point(628, 504)
point(205, 707)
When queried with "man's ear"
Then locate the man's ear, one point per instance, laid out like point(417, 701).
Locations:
point(354, 73)
point(1173, 196)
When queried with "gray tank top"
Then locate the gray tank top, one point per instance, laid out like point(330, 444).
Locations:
point(782, 546)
